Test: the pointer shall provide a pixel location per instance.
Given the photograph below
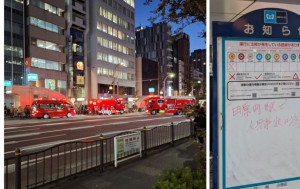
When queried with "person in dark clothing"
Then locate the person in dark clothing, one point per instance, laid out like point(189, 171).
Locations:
point(200, 124)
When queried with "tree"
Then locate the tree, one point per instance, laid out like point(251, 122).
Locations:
point(184, 12)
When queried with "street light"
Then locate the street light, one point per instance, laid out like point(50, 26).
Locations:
point(171, 75)
point(114, 74)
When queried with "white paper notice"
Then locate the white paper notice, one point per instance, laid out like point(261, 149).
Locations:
point(262, 111)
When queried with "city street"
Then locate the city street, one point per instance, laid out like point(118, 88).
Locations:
point(34, 134)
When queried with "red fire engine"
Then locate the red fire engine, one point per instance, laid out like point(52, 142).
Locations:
point(171, 104)
point(99, 105)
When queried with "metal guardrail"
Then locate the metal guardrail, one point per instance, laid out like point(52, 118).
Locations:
point(46, 166)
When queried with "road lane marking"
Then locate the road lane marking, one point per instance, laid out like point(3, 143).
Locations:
point(20, 135)
point(14, 142)
point(76, 128)
point(20, 130)
point(39, 146)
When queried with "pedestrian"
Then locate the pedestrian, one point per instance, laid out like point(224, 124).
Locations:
point(20, 112)
point(102, 110)
point(26, 111)
point(200, 124)
point(5, 110)
point(108, 111)
point(11, 111)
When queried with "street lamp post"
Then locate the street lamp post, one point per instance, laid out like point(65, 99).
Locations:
point(114, 74)
point(171, 75)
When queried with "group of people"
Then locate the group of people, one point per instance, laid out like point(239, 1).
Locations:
point(17, 112)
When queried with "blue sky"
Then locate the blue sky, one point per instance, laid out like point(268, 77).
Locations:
point(142, 13)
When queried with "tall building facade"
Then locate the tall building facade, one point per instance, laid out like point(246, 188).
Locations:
point(155, 43)
point(198, 60)
point(77, 31)
point(45, 45)
point(111, 48)
point(181, 47)
point(13, 42)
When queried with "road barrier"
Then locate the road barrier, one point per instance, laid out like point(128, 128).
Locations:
point(35, 169)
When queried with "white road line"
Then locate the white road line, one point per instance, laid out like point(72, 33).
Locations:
point(20, 135)
point(20, 130)
point(76, 128)
point(14, 142)
point(39, 146)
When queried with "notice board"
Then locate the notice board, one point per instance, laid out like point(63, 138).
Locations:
point(261, 112)
point(256, 101)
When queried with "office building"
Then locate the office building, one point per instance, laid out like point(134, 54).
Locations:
point(111, 48)
point(155, 43)
point(45, 45)
point(181, 47)
point(198, 60)
point(13, 43)
point(77, 48)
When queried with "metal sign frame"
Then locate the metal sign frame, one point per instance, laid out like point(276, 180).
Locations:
point(116, 147)
point(250, 26)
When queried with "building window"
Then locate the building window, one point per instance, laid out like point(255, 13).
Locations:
point(44, 25)
point(17, 51)
point(47, 45)
point(50, 84)
point(45, 6)
point(45, 64)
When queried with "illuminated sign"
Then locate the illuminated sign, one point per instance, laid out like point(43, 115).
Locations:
point(7, 83)
point(79, 65)
point(80, 80)
point(151, 90)
point(32, 77)
point(27, 62)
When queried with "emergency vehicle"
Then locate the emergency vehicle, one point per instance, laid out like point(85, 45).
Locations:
point(177, 104)
point(171, 104)
point(114, 106)
point(51, 108)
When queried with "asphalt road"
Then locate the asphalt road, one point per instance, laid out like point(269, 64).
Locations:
point(33, 134)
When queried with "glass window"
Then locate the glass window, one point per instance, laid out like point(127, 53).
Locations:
point(109, 15)
point(43, 106)
point(104, 13)
point(104, 57)
point(110, 44)
point(41, 23)
point(115, 19)
point(99, 26)
point(34, 21)
point(105, 71)
point(55, 28)
point(48, 26)
point(104, 28)
point(115, 31)
point(110, 58)
point(99, 56)
point(109, 30)
point(40, 43)
point(100, 11)
point(61, 84)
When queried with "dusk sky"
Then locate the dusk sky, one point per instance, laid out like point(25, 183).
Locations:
point(142, 13)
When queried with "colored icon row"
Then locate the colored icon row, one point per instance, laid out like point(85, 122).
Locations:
point(266, 57)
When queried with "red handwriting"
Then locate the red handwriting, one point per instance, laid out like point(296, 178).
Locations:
point(245, 110)
point(271, 123)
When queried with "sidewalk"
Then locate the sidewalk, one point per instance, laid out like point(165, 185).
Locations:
point(140, 173)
